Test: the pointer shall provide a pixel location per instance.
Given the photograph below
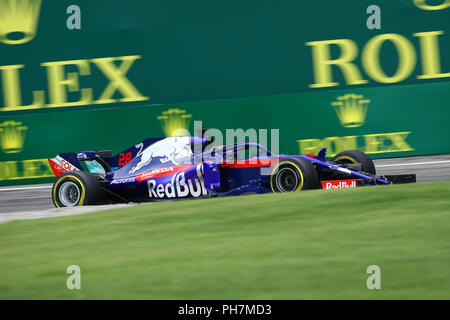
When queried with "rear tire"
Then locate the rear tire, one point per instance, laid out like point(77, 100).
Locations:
point(294, 174)
point(77, 188)
point(356, 156)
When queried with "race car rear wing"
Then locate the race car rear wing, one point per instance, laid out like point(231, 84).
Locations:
point(96, 162)
point(65, 162)
point(101, 161)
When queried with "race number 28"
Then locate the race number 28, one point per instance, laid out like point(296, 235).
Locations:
point(124, 158)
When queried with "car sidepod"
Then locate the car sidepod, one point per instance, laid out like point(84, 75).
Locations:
point(168, 183)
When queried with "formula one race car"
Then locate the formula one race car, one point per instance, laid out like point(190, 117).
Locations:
point(190, 167)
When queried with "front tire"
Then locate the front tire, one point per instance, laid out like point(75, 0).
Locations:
point(294, 174)
point(356, 156)
point(77, 188)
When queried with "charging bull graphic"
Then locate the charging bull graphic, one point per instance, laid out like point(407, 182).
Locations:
point(171, 149)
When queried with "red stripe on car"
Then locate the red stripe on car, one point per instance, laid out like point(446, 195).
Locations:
point(161, 172)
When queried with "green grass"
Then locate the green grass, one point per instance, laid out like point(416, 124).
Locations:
point(306, 245)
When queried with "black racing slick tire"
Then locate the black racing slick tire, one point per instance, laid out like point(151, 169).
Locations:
point(356, 156)
point(294, 174)
point(77, 188)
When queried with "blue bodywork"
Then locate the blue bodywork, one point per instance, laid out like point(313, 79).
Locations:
point(183, 167)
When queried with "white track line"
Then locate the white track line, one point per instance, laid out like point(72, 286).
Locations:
point(25, 188)
point(411, 164)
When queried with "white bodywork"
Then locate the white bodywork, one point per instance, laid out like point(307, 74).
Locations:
point(169, 149)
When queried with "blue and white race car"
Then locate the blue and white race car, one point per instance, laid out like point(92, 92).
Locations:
point(190, 167)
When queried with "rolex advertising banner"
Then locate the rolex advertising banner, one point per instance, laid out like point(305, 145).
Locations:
point(89, 75)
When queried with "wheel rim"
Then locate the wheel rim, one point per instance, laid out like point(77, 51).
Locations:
point(287, 180)
point(69, 194)
point(345, 160)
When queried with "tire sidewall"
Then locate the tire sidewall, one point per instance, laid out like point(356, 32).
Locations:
point(68, 177)
point(90, 188)
point(305, 172)
point(297, 172)
point(356, 156)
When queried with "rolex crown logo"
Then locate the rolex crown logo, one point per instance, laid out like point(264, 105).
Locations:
point(12, 136)
point(18, 20)
point(351, 110)
point(175, 122)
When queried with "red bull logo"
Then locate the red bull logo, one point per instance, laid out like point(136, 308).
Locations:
point(179, 186)
point(338, 184)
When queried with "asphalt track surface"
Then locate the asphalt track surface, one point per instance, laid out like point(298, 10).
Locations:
point(34, 201)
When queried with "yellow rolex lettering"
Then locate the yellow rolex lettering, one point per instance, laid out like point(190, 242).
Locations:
point(118, 81)
point(406, 58)
point(331, 144)
point(12, 92)
point(59, 83)
point(423, 4)
point(369, 143)
point(335, 145)
point(25, 169)
point(429, 50)
point(309, 146)
point(322, 63)
point(374, 143)
point(398, 141)
point(8, 169)
point(387, 142)
point(346, 143)
point(36, 168)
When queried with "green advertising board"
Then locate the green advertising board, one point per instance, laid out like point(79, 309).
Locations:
point(105, 75)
